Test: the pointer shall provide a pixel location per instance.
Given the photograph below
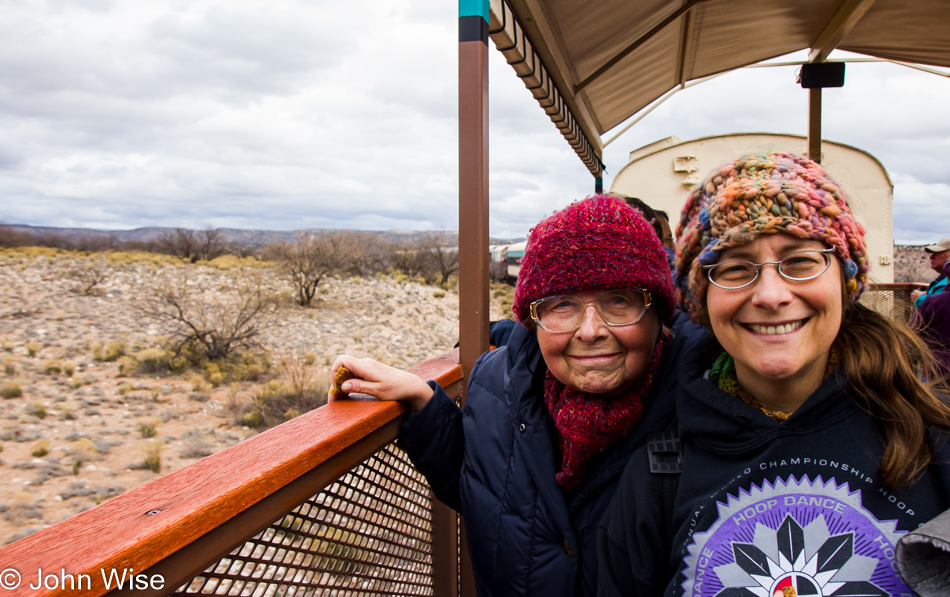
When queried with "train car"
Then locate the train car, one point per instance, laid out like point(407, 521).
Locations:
point(515, 253)
point(663, 173)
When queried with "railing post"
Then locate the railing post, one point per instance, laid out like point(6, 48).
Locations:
point(473, 181)
point(445, 540)
point(473, 204)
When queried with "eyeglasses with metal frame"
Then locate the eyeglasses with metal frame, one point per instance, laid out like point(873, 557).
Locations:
point(564, 313)
point(798, 267)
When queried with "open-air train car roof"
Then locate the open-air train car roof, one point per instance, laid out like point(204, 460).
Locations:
point(609, 59)
point(592, 65)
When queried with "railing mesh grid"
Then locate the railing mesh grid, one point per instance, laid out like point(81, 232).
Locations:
point(893, 303)
point(368, 533)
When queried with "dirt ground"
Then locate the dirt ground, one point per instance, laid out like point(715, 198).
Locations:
point(77, 428)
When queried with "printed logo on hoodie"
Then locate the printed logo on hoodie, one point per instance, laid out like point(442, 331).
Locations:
point(794, 538)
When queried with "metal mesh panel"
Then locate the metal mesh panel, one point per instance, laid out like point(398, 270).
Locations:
point(892, 303)
point(369, 533)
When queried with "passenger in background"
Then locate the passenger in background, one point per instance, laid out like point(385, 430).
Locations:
point(932, 320)
point(806, 441)
point(667, 238)
point(669, 246)
point(551, 418)
point(938, 257)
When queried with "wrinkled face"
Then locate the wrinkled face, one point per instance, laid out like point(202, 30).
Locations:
point(597, 358)
point(777, 329)
point(937, 260)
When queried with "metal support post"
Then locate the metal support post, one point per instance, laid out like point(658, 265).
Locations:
point(473, 207)
point(814, 124)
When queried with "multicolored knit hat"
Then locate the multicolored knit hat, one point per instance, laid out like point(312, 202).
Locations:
point(764, 193)
point(598, 242)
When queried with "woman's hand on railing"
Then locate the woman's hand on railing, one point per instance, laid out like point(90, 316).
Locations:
point(381, 381)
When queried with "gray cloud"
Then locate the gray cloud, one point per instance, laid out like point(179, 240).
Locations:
point(255, 114)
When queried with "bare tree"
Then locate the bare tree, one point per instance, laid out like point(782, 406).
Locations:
point(440, 259)
point(214, 324)
point(211, 244)
point(308, 260)
point(365, 254)
point(192, 245)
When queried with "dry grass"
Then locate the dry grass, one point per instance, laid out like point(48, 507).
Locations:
point(88, 379)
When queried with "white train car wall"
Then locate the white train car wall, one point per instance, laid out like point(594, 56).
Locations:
point(662, 174)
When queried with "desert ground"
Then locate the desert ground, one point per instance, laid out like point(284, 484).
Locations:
point(83, 415)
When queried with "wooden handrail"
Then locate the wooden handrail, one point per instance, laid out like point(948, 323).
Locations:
point(169, 524)
point(892, 286)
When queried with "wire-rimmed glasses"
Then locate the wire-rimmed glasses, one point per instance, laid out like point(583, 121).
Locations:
point(564, 313)
point(799, 267)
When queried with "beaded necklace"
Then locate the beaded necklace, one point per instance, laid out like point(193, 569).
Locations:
point(724, 376)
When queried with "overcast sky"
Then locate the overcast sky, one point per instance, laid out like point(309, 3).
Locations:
point(285, 115)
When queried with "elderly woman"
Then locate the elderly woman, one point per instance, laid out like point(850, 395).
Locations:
point(809, 443)
point(550, 418)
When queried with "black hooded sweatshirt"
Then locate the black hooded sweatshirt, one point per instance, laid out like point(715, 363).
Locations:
point(765, 508)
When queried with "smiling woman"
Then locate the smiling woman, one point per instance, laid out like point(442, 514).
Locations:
point(550, 419)
point(811, 438)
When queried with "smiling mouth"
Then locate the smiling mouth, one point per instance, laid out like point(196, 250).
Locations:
point(776, 330)
point(592, 357)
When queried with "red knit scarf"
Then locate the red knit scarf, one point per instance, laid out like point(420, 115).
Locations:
point(587, 423)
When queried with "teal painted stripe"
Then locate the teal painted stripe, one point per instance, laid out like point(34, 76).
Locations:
point(474, 8)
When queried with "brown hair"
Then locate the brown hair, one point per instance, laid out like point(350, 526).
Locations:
point(884, 361)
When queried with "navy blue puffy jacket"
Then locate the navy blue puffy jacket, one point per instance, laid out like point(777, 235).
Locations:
point(496, 461)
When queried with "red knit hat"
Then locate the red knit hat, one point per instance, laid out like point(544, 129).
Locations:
point(596, 243)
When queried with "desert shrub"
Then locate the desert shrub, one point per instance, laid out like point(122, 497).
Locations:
point(52, 367)
point(252, 419)
point(9, 390)
point(199, 385)
point(148, 426)
point(213, 374)
point(438, 293)
point(300, 388)
point(153, 360)
point(112, 351)
point(9, 369)
point(309, 259)
point(88, 277)
point(152, 451)
point(32, 348)
point(67, 412)
point(69, 369)
point(39, 448)
point(36, 409)
point(212, 323)
point(83, 449)
point(246, 366)
point(128, 365)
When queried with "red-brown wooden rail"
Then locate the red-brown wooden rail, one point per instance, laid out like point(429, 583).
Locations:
point(178, 524)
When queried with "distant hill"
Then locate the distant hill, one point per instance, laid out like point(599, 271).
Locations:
point(251, 238)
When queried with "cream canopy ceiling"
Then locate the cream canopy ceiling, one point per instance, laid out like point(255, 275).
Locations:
point(593, 64)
